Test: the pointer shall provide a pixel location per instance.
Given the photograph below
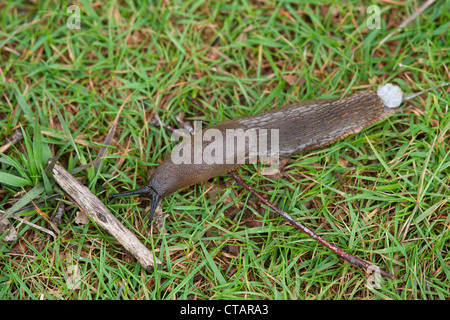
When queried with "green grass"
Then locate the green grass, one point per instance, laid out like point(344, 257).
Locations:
point(215, 61)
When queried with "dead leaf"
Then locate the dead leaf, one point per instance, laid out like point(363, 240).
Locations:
point(81, 218)
point(274, 170)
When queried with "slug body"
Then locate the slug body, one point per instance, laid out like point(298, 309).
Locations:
point(300, 127)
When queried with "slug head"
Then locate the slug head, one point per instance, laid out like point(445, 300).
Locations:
point(146, 190)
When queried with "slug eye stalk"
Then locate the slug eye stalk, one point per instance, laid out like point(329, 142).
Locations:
point(146, 190)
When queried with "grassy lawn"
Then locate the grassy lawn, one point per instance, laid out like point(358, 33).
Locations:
point(381, 194)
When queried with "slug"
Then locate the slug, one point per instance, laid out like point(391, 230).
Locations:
point(298, 127)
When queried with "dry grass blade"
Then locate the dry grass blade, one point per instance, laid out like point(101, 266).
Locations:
point(44, 215)
point(421, 9)
point(103, 150)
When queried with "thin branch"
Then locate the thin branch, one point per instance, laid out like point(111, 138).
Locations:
point(339, 177)
point(35, 226)
point(341, 253)
point(99, 213)
point(103, 150)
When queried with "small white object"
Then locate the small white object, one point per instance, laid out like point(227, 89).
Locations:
point(391, 95)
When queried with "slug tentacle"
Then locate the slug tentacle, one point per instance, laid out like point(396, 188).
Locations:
point(146, 190)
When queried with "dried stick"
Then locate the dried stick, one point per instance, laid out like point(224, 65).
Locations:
point(15, 137)
point(339, 177)
point(98, 212)
point(421, 9)
point(341, 253)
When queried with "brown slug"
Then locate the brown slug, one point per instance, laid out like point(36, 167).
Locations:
point(298, 127)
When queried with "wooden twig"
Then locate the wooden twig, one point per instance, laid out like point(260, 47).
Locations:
point(341, 253)
point(98, 212)
point(185, 125)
